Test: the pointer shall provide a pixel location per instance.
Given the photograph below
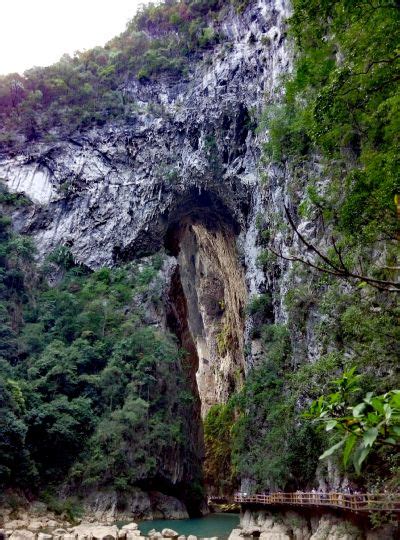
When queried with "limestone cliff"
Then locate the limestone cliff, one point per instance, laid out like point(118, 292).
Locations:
point(184, 166)
point(183, 174)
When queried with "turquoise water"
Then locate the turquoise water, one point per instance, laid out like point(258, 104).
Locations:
point(213, 525)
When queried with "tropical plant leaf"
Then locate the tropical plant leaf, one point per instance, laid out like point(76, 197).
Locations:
point(350, 442)
point(370, 436)
point(358, 409)
point(331, 424)
point(332, 449)
point(359, 456)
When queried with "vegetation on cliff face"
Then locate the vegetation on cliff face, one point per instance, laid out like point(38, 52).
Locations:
point(88, 88)
point(374, 423)
point(218, 471)
point(341, 107)
point(343, 104)
point(89, 391)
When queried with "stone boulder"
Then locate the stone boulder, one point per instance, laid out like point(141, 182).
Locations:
point(169, 533)
point(154, 535)
point(191, 537)
point(44, 536)
point(277, 532)
point(16, 524)
point(182, 537)
point(236, 534)
point(22, 534)
point(133, 535)
point(52, 524)
point(36, 525)
point(87, 531)
point(130, 527)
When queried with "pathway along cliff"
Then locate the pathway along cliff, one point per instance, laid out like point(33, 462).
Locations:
point(199, 267)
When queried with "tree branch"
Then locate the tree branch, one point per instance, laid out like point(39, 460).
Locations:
point(335, 269)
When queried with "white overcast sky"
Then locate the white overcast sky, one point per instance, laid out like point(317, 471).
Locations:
point(39, 32)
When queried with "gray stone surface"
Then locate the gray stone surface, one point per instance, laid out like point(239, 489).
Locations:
point(22, 534)
point(169, 533)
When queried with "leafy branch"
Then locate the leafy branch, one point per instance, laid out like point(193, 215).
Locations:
point(336, 268)
point(373, 423)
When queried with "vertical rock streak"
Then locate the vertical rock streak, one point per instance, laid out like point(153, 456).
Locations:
point(214, 285)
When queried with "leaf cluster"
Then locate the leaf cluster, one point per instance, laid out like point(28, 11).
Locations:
point(361, 427)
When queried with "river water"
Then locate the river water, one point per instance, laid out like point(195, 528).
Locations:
point(212, 525)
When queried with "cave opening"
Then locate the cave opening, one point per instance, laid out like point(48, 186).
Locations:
point(206, 302)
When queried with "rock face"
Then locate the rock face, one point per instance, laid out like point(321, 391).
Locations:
point(184, 165)
point(289, 525)
point(180, 174)
point(213, 284)
point(103, 507)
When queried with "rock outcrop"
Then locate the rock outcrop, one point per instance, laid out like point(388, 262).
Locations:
point(102, 506)
point(188, 155)
point(292, 525)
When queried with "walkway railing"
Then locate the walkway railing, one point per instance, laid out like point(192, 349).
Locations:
point(363, 502)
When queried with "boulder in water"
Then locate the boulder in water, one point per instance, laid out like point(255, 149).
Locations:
point(130, 527)
point(169, 533)
point(133, 535)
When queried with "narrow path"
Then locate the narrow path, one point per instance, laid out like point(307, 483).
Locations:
point(360, 502)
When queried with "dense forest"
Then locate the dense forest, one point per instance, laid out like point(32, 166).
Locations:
point(94, 394)
point(89, 389)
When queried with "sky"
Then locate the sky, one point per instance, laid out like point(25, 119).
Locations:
point(39, 32)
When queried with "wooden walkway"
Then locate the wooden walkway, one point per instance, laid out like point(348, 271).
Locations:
point(365, 502)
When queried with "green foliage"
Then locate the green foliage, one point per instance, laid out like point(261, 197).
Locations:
point(271, 444)
point(218, 470)
point(88, 392)
point(70, 508)
point(213, 154)
point(259, 304)
point(343, 101)
point(341, 105)
point(84, 90)
point(361, 427)
point(14, 200)
point(223, 339)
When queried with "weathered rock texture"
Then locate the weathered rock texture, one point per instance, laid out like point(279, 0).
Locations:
point(291, 525)
point(104, 506)
point(187, 161)
point(182, 174)
point(213, 283)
